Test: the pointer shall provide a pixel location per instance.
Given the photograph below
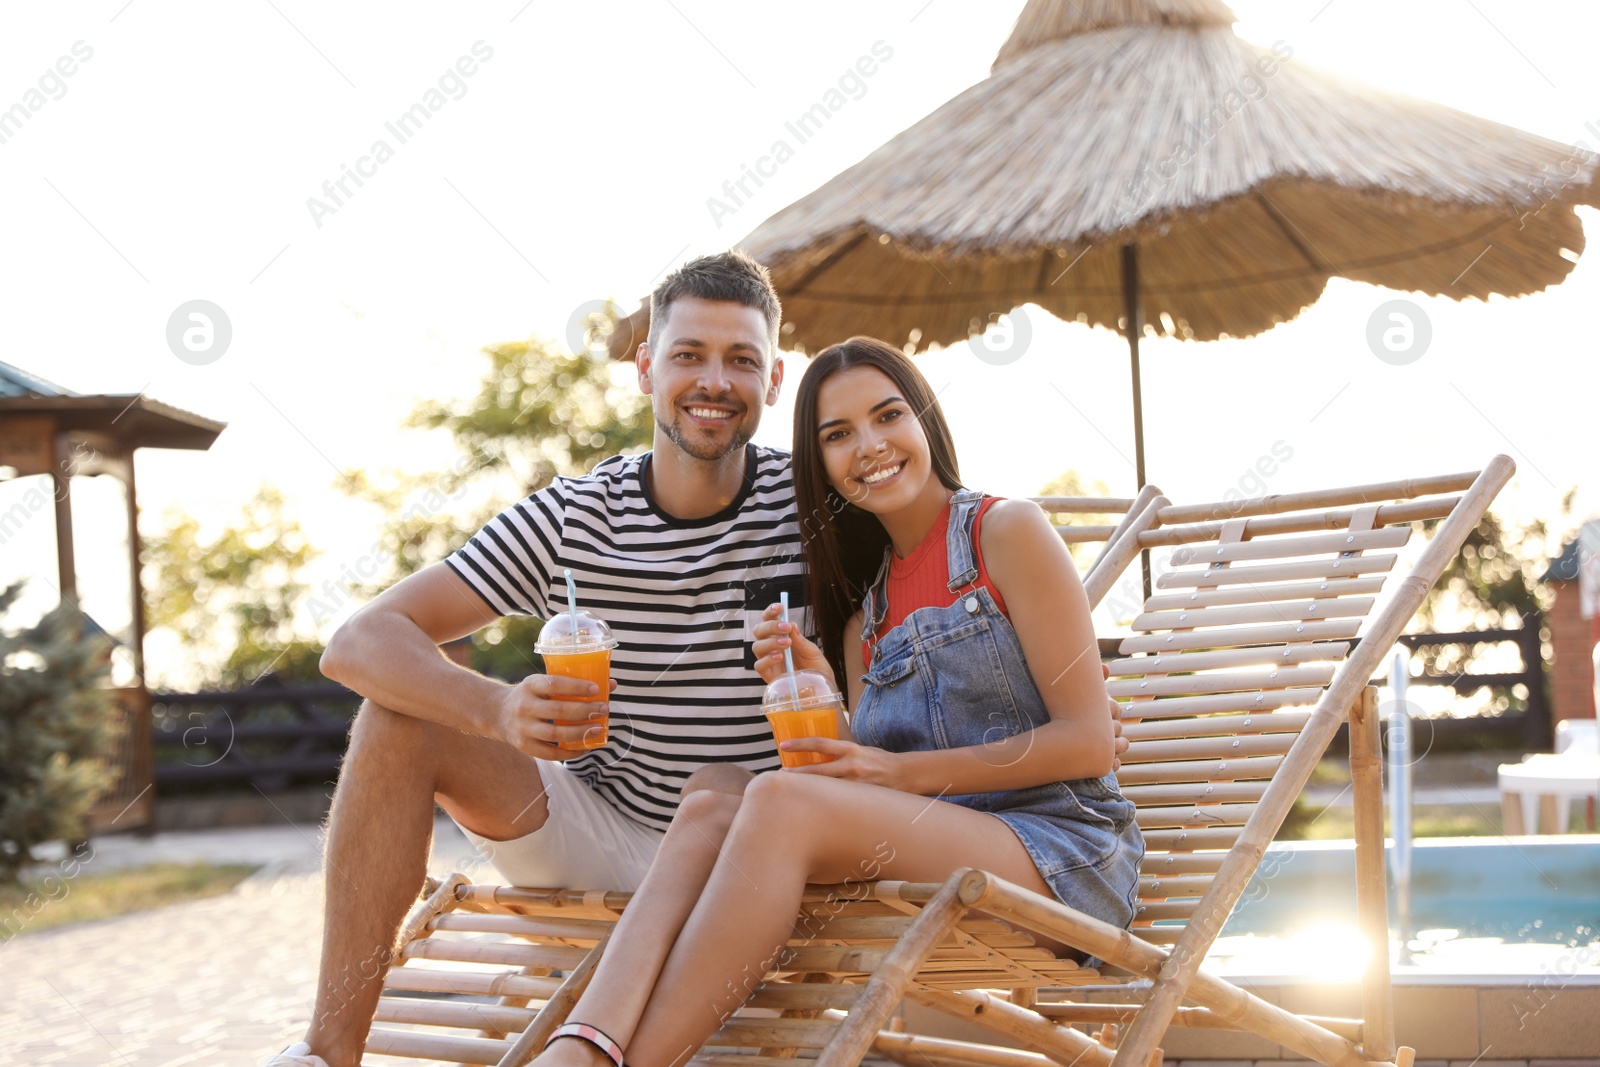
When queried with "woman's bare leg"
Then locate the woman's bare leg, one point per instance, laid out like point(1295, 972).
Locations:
point(621, 985)
point(791, 829)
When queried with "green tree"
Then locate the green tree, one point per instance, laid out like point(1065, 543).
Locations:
point(539, 411)
point(235, 593)
point(1494, 582)
point(57, 729)
point(542, 411)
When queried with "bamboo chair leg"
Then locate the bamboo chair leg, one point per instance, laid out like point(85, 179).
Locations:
point(1372, 901)
point(508, 1001)
point(436, 903)
point(1001, 1017)
point(789, 1052)
point(1242, 1010)
point(914, 1050)
point(555, 1010)
point(884, 990)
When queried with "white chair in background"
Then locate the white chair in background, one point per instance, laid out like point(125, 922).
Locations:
point(1578, 735)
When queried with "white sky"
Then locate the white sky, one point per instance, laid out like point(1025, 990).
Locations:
point(577, 165)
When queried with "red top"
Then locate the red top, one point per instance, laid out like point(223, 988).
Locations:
point(922, 579)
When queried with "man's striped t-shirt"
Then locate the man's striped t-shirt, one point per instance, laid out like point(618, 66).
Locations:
point(681, 597)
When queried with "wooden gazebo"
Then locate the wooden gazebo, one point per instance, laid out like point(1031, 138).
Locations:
point(45, 429)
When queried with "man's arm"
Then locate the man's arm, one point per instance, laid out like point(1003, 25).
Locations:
point(389, 653)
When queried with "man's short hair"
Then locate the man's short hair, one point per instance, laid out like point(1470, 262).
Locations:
point(731, 276)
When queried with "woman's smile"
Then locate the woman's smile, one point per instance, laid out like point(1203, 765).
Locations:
point(879, 475)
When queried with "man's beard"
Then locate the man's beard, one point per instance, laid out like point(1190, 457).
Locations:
point(705, 451)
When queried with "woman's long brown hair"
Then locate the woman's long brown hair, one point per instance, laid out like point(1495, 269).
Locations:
point(842, 544)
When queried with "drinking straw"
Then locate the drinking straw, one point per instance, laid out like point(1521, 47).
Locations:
point(572, 602)
point(788, 654)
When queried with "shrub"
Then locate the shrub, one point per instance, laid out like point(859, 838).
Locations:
point(57, 728)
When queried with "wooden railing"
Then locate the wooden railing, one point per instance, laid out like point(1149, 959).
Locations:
point(267, 736)
point(1529, 728)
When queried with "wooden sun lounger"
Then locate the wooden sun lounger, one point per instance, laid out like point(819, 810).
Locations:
point(1237, 674)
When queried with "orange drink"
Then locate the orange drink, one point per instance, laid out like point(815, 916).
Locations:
point(579, 646)
point(586, 667)
point(802, 705)
point(818, 721)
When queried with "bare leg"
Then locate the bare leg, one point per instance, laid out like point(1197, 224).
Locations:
point(719, 778)
point(792, 829)
point(379, 834)
point(650, 925)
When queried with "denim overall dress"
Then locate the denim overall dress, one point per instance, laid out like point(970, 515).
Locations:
point(955, 676)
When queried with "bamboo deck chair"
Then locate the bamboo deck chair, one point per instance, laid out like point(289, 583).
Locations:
point(1238, 672)
point(485, 972)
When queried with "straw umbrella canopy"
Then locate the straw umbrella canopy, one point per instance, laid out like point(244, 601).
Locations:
point(1138, 156)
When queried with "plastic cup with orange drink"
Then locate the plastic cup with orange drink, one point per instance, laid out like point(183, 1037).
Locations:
point(802, 704)
point(577, 645)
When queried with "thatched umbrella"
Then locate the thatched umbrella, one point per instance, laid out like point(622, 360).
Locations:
point(1137, 155)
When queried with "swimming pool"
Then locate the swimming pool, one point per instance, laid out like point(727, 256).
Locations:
point(1479, 905)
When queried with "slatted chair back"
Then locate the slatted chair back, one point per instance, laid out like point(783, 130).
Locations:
point(1259, 604)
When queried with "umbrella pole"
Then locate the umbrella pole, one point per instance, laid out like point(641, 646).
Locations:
point(1134, 326)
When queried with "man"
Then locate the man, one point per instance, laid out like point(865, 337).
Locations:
point(678, 550)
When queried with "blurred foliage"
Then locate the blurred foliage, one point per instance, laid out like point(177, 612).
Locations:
point(504, 649)
point(427, 518)
point(1494, 582)
point(236, 590)
point(58, 727)
point(539, 412)
point(543, 411)
point(1071, 483)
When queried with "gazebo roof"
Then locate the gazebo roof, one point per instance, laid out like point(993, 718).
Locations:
point(14, 381)
point(132, 418)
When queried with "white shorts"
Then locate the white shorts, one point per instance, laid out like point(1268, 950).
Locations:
point(584, 844)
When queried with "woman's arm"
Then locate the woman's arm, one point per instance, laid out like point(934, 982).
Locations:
point(1030, 566)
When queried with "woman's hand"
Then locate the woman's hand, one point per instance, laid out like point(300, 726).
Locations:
point(855, 762)
point(773, 635)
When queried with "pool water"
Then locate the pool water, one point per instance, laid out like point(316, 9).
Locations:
point(1479, 905)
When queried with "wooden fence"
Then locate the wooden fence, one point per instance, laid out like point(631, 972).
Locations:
point(267, 736)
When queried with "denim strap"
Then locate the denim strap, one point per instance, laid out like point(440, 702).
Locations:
point(959, 549)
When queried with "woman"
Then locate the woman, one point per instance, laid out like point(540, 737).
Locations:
point(980, 737)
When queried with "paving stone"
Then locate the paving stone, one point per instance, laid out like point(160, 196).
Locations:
point(224, 981)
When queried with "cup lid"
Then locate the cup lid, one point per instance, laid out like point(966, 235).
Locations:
point(809, 689)
point(557, 635)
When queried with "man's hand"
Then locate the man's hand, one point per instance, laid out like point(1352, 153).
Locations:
point(1119, 744)
point(541, 710)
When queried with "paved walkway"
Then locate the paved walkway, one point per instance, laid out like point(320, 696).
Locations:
point(215, 982)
